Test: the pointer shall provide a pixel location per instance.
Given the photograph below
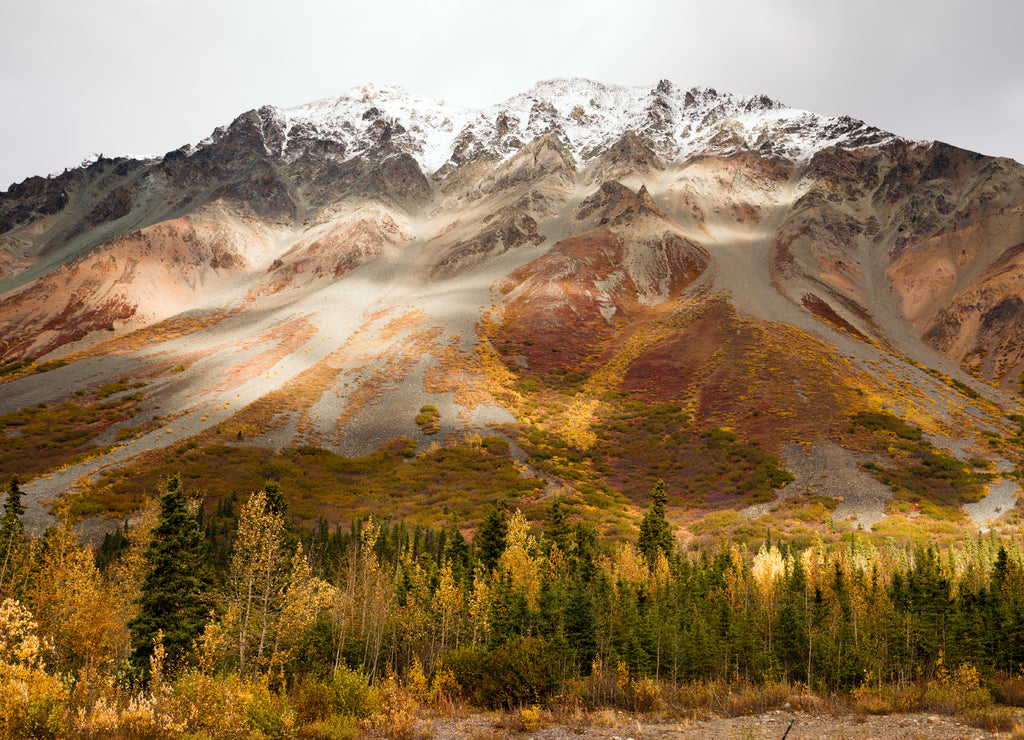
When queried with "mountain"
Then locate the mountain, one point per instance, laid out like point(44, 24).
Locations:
point(594, 286)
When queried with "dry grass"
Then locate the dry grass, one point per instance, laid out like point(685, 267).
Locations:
point(991, 719)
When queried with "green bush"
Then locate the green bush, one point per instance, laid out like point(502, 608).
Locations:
point(516, 673)
point(881, 421)
point(269, 714)
point(467, 665)
point(353, 695)
point(428, 420)
point(43, 719)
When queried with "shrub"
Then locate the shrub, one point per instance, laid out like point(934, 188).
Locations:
point(397, 716)
point(353, 695)
point(444, 687)
point(881, 421)
point(952, 692)
point(31, 700)
point(218, 705)
point(334, 727)
point(313, 700)
point(754, 699)
point(644, 695)
point(886, 699)
point(1009, 689)
point(991, 719)
point(428, 420)
point(527, 719)
point(516, 673)
point(41, 718)
point(269, 714)
point(465, 665)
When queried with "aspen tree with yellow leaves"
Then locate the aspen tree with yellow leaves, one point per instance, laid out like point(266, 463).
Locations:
point(259, 572)
point(71, 602)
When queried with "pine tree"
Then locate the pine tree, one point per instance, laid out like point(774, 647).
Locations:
point(176, 592)
point(584, 551)
point(456, 551)
point(580, 627)
point(655, 531)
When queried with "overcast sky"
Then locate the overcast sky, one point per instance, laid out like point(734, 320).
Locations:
point(146, 76)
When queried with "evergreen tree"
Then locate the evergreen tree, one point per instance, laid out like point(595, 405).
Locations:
point(456, 551)
point(12, 535)
point(580, 628)
point(12, 505)
point(176, 590)
point(792, 640)
point(655, 531)
point(490, 539)
point(584, 551)
point(556, 525)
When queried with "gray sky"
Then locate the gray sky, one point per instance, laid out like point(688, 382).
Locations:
point(146, 76)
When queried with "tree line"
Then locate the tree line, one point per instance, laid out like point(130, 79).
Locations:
point(539, 605)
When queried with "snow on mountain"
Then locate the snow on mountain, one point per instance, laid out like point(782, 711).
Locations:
point(425, 128)
point(588, 117)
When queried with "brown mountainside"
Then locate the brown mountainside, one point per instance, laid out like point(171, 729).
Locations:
point(633, 285)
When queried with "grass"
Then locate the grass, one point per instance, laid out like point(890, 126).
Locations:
point(465, 480)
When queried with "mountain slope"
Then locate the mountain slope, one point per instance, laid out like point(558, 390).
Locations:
point(626, 283)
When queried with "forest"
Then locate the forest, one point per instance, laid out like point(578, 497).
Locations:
point(239, 623)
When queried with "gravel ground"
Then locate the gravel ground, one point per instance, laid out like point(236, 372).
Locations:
point(769, 726)
point(1001, 497)
point(826, 469)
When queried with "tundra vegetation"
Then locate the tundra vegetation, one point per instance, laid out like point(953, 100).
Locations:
point(373, 628)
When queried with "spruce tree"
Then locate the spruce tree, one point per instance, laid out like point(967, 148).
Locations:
point(490, 538)
point(457, 552)
point(176, 592)
point(655, 531)
point(12, 505)
point(12, 534)
point(556, 525)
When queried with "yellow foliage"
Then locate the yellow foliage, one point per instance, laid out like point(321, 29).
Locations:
point(417, 681)
point(28, 695)
point(517, 560)
point(397, 716)
point(444, 686)
point(527, 719)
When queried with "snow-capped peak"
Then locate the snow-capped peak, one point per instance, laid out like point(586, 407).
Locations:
point(587, 115)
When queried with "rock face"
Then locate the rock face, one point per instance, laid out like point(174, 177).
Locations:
point(705, 249)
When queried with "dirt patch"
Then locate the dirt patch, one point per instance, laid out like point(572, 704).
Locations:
point(826, 469)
